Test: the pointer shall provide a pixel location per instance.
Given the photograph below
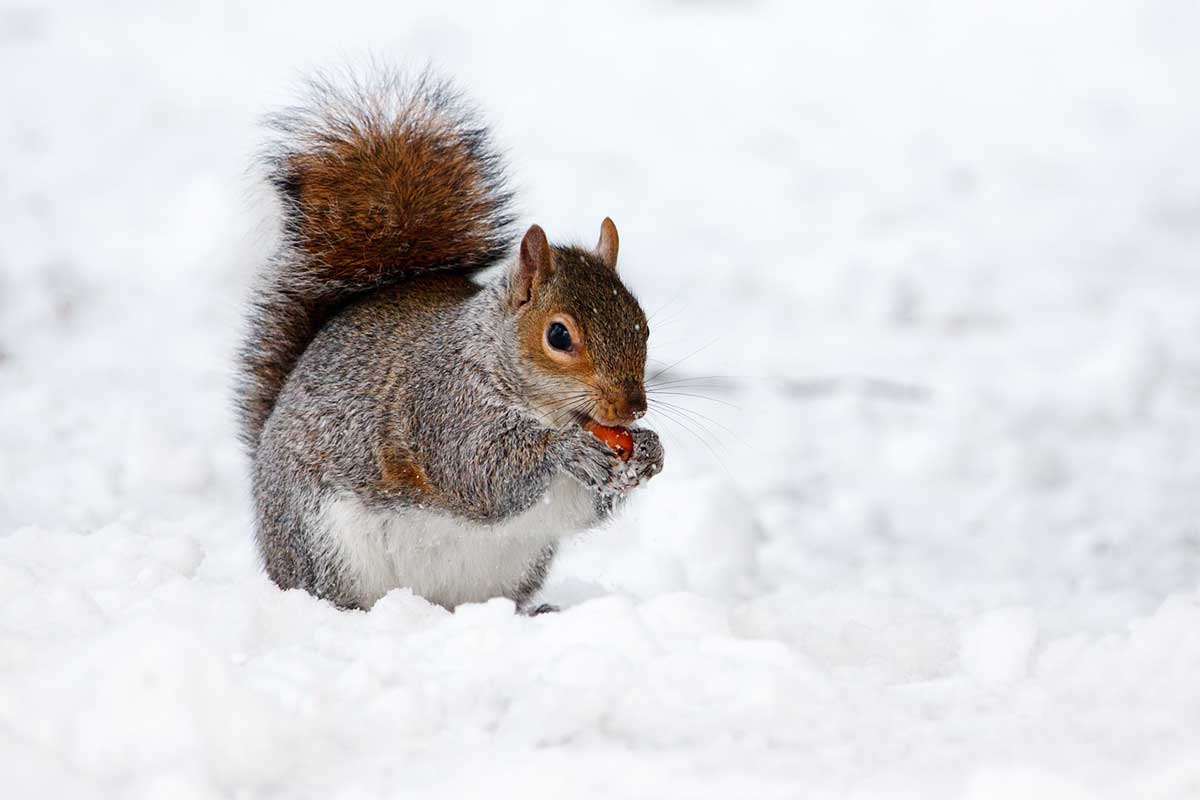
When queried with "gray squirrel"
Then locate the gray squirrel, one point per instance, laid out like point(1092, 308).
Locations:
point(411, 426)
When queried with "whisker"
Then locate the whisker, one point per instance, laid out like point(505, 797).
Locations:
point(680, 361)
point(663, 307)
point(561, 400)
point(666, 417)
point(714, 380)
point(696, 396)
point(696, 416)
point(688, 417)
point(576, 407)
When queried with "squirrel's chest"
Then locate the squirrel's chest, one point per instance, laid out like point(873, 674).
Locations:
point(445, 559)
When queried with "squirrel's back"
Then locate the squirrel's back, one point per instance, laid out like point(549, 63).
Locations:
point(378, 180)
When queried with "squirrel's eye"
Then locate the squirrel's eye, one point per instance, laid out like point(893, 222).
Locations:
point(558, 336)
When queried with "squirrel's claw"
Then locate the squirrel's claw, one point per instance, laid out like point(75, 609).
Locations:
point(647, 460)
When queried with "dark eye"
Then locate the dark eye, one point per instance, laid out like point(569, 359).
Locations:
point(558, 336)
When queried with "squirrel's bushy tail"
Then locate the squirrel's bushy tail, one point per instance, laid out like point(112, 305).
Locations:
point(379, 179)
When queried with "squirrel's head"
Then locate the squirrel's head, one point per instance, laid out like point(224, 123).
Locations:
point(581, 334)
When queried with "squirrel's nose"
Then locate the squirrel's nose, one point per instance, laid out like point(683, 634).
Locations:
point(635, 402)
point(622, 406)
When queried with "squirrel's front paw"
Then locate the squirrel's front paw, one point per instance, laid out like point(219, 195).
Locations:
point(595, 464)
point(647, 459)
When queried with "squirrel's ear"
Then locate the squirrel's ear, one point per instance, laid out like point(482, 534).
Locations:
point(606, 248)
point(534, 265)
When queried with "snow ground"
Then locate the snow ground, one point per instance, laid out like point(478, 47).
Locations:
point(943, 541)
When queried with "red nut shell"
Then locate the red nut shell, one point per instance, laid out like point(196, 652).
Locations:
point(619, 440)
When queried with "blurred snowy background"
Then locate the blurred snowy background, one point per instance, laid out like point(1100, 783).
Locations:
point(934, 267)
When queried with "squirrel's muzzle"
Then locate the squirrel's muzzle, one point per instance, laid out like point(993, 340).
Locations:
point(622, 407)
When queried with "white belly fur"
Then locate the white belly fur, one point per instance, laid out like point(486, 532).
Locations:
point(446, 560)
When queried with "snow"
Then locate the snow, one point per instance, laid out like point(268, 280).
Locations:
point(995, 647)
point(935, 267)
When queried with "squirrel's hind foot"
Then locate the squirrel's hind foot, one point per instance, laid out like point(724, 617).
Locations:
point(544, 608)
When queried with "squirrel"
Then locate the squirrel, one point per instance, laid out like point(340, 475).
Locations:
point(409, 424)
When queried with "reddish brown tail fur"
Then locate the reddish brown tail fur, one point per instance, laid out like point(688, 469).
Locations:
point(379, 180)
